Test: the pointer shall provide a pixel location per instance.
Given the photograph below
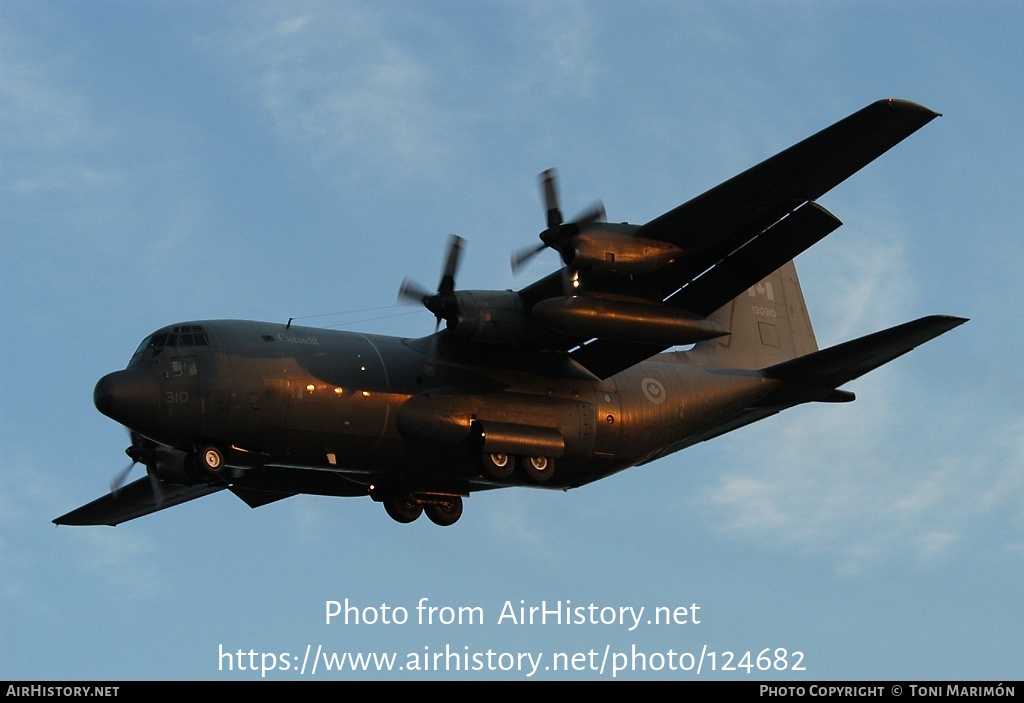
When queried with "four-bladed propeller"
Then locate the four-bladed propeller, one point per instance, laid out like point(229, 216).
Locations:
point(559, 235)
point(442, 303)
point(141, 451)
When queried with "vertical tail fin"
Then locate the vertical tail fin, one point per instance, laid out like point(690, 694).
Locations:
point(769, 324)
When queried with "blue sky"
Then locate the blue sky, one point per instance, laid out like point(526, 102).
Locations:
point(168, 161)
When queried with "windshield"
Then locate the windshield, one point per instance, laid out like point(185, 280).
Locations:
point(177, 337)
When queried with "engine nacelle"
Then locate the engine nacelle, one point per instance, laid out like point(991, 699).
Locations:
point(489, 316)
point(626, 320)
point(611, 253)
point(172, 466)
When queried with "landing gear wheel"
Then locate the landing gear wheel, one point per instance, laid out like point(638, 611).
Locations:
point(402, 508)
point(446, 513)
point(539, 468)
point(210, 460)
point(498, 465)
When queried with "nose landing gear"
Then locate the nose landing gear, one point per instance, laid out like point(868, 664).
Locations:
point(210, 459)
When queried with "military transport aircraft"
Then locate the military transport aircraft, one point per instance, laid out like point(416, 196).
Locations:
point(568, 380)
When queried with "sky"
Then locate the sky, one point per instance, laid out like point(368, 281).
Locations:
point(170, 161)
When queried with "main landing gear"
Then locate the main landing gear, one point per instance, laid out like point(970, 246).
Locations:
point(500, 466)
point(442, 510)
point(539, 469)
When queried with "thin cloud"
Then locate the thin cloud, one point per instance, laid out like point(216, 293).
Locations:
point(47, 129)
point(857, 487)
point(559, 50)
point(119, 560)
point(334, 81)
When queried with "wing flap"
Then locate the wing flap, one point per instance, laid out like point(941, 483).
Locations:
point(735, 273)
point(780, 243)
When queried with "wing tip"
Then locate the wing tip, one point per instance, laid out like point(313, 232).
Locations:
point(909, 106)
point(948, 321)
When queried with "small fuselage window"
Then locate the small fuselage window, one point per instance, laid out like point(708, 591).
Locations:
point(183, 366)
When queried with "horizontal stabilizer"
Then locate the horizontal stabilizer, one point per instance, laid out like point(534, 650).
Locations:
point(832, 367)
point(135, 500)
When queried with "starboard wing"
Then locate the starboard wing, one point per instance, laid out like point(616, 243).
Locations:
point(736, 233)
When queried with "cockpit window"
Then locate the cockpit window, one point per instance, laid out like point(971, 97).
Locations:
point(176, 337)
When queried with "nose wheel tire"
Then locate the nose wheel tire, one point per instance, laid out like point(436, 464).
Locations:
point(210, 460)
point(539, 469)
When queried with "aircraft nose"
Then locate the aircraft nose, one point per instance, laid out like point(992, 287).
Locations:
point(124, 396)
